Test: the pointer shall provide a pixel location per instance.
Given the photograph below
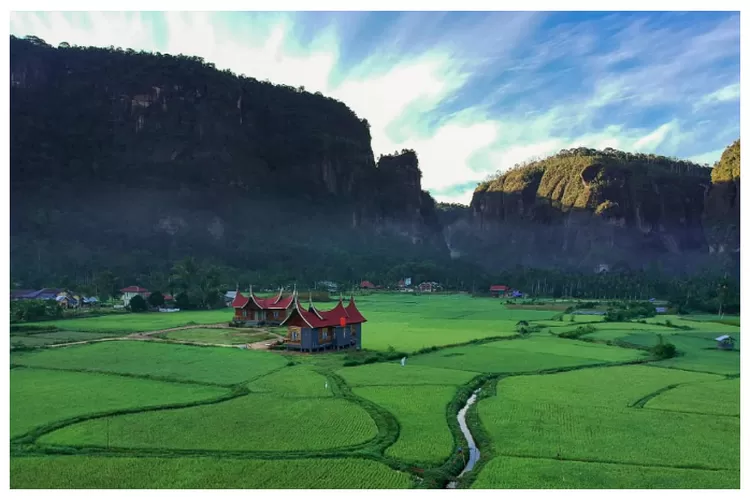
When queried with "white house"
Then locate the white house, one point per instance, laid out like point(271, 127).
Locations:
point(130, 292)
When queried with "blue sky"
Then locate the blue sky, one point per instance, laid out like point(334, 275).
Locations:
point(472, 92)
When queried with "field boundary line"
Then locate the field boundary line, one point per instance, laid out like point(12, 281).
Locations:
point(33, 435)
point(155, 378)
point(611, 462)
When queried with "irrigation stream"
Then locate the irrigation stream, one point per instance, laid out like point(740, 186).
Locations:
point(473, 450)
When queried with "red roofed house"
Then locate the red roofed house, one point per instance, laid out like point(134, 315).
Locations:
point(313, 330)
point(130, 292)
point(499, 290)
point(253, 310)
point(366, 284)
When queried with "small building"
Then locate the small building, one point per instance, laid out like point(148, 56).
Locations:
point(367, 285)
point(429, 286)
point(725, 342)
point(129, 292)
point(313, 330)
point(255, 311)
point(499, 290)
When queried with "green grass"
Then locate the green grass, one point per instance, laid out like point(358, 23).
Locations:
point(39, 397)
point(61, 337)
point(219, 365)
point(538, 352)
point(717, 398)
point(295, 381)
point(218, 335)
point(258, 422)
point(540, 473)
point(700, 355)
point(409, 323)
point(595, 386)
point(626, 435)
point(79, 472)
point(420, 411)
point(141, 322)
point(547, 344)
point(411, 374)
point(571, 416)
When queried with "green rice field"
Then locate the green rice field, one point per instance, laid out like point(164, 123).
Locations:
point(553, 412)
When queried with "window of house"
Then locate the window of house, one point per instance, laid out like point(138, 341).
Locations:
point(276, 314)
point(295, 335)
point(244, 314)
point(325, 333)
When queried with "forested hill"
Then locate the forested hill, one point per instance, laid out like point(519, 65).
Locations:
point(585, 208)
point(130, 161)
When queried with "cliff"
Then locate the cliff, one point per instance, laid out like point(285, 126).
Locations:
point(721, 218)
point(591, 210)
point(128, 160)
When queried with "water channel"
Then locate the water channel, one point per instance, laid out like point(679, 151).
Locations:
point(473, 450)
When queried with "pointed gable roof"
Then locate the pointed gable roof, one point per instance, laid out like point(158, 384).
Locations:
point(354, 315)
point(239, 300)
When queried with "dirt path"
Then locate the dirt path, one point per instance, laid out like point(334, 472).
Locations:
point(148, 336)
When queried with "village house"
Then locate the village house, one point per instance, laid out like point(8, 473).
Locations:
point(313, 330)
point(254, 311)
point(499, 290)
point(129, 292)
point(367, 285)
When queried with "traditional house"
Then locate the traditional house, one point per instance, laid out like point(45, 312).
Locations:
point(367, 285)
point(130, 292)
point(253, 310)
point(313, 330)
point(725, 342)
point(499, 290)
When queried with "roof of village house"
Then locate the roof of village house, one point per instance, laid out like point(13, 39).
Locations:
point(366, 284)
point(134, 289)
point(723, 338)
point(277, 302)
point(321, 319)
point(495, 288)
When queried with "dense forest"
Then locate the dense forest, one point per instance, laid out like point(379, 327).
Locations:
point(124, 164)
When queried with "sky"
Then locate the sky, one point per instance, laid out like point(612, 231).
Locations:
point(474, 93)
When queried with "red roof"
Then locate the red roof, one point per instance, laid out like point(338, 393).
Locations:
point(498, 288)
point(277, 302)
point(366, 284)
point(134, 289)
point(168, 297)
point(328, 318)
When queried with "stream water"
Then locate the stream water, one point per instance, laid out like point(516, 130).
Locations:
point(473, 450)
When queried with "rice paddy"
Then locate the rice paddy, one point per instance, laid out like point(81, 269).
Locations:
point(554, 412)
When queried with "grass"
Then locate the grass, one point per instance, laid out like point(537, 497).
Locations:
point(39, 397)
point(218, 365)
point(424, 434)
point(231, 336)
point(540, 473)
point(80, 472)
point(595, 386)
point(410, 374)
point(540, 352)
point(60, 337)
point(257, 422)
point(573, 416)
point(141, 322)
point(716, 398)
point(295, 381)
point(410, 323)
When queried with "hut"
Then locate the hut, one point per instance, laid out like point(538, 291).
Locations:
point(725, 342)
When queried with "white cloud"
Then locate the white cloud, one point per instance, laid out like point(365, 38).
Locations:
point(654, 139)
point(724, 94)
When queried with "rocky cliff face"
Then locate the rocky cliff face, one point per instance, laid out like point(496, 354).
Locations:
point(721, 217)
point(589, 209)
point(151, 149)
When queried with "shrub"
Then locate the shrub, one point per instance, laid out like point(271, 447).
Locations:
point(156, 299)
point(578, 332)
point(664, 350)
point(138, 304)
